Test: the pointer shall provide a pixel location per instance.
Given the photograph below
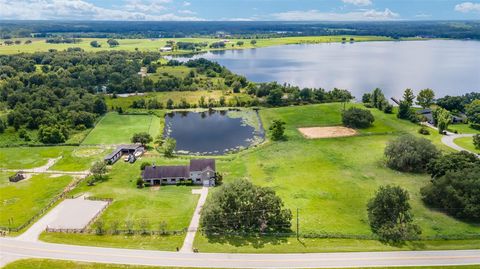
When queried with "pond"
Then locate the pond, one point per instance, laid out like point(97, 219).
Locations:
point(213, 132)
point(450, 67)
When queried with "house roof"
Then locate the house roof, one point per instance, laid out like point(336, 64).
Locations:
point(121, 148)
point(165, 172)
point(202, 164)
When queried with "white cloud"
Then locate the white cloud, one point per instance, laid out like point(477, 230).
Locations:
point(186, 4)
point(468, 7)
point(315, 15)
point(358, 2)
point(187, 12)
point(145, 6)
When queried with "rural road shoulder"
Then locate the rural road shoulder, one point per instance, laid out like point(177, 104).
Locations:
point(12, 248)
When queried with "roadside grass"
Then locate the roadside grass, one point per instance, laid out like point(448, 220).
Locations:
point(313, 245)
point(39, 44)
point(192, 97)
point(118, 129)
point(29, 157)
point(173, 205)
point(58, 264)
point(23, 199)
point(463, 128)
point(466, 143)
point(80, 158)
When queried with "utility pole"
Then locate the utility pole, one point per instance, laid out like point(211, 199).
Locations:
point(298, 236)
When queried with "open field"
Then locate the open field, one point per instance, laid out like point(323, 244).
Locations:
point(192, 97)
point(57, 264)
point(79, 158)
point(330, 181)
point(156, 44)
point(118, 129)
point(29, 157)
point(466, 143)
point(22, 200)
point(463, 129)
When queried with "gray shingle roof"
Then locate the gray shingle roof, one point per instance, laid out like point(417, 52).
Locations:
point(201, 164)
point(166, 172)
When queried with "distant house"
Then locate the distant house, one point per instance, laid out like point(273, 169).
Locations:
point(428, 115)
point(200, 172)
point(165, 49)
point(134, 150)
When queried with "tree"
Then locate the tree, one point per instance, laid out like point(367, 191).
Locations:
point(236, 86)
point(98, 171)
point(253, 42)
point(367, 98)
point(456, 161)
point(169, 147)
point(390, 216)
point(277, 130)
point(240, 43)
point(357, 118)
point(52, 134)
point(142, 138)
point(113, 42)
point(274, 98)
point(144, 164)
point(476, 141)
point(408, 153)
point(378, 99)
point(169, 104)
point(2, 126)
point(456, 192)
point(408, 97)
point(241, 207)
point(28, 42)
point(442, 118)
point(99, 106)
point(425, 98)
point(95, 44)
point(140, 183)
point(473, 113)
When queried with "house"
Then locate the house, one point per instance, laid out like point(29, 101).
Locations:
point(200, 172)
point(165, 49)
point(135, 150)
point(428, 115)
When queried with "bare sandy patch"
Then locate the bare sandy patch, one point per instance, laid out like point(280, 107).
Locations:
point(327, 132)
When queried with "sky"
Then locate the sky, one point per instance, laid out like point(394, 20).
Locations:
point(240, 10)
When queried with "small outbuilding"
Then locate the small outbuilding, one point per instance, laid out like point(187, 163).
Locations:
point(133, 149)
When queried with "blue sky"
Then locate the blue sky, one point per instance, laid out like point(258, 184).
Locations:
point(314, 10)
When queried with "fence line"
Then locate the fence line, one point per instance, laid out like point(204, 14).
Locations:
point(117, 232)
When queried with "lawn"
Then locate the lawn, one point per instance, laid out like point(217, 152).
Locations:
point(173, 205)
point(58, 264)
point(463, 129)
point(80, 158)
point(118, 129)
point(39, 44)
point(29, 157)
point(466, 143)
point(22, 200)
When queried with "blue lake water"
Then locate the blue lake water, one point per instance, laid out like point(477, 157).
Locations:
point(450, 67)
point(209, 133)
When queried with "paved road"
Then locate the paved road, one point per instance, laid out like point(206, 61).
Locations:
point(449, 138)
point(14, 248)
point(194, 223)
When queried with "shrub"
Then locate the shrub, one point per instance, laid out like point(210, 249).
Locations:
point(456, 192)
point(277, 130)
point(52, 134)
point(410, 154)
point(140, 183)
point(357, 118)
point(144, 164)
point(476, 141)
point(452, 162)
point(424, 130)
point(388, 109)
point(390, 217)
point(142, 138)
point(169, 147)
point(241, 206)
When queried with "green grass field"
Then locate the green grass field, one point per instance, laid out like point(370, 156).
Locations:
point(118, 129)
point(463, 129)
point(22, 200)
point(156, 44)
point(29, 157)
point(466, 143)
point(192, 97)
point(79, 158)
point(57, 264)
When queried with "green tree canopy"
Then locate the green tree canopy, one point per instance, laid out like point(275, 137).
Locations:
point(473, 112)
point(169, 147)
point(277, 130)
point(142, 138)
point(409, 153)
point(408, 97)
point(456, 161)
point(425, 98)
point(390, 216)
point(357, 118)
point(241, 207)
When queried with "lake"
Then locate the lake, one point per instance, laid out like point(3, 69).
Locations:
point(213, 132)
point(450, 67)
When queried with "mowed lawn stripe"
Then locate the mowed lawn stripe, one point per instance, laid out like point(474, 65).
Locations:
point(118, 129)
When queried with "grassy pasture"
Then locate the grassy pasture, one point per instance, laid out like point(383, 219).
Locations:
point(79, 158)
point(463, 129)
point(58, 264)
point(192, 97)
point(39, 44)
point(466, 143)
point(117, 129)
point(29, 157)
point(22, 200)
